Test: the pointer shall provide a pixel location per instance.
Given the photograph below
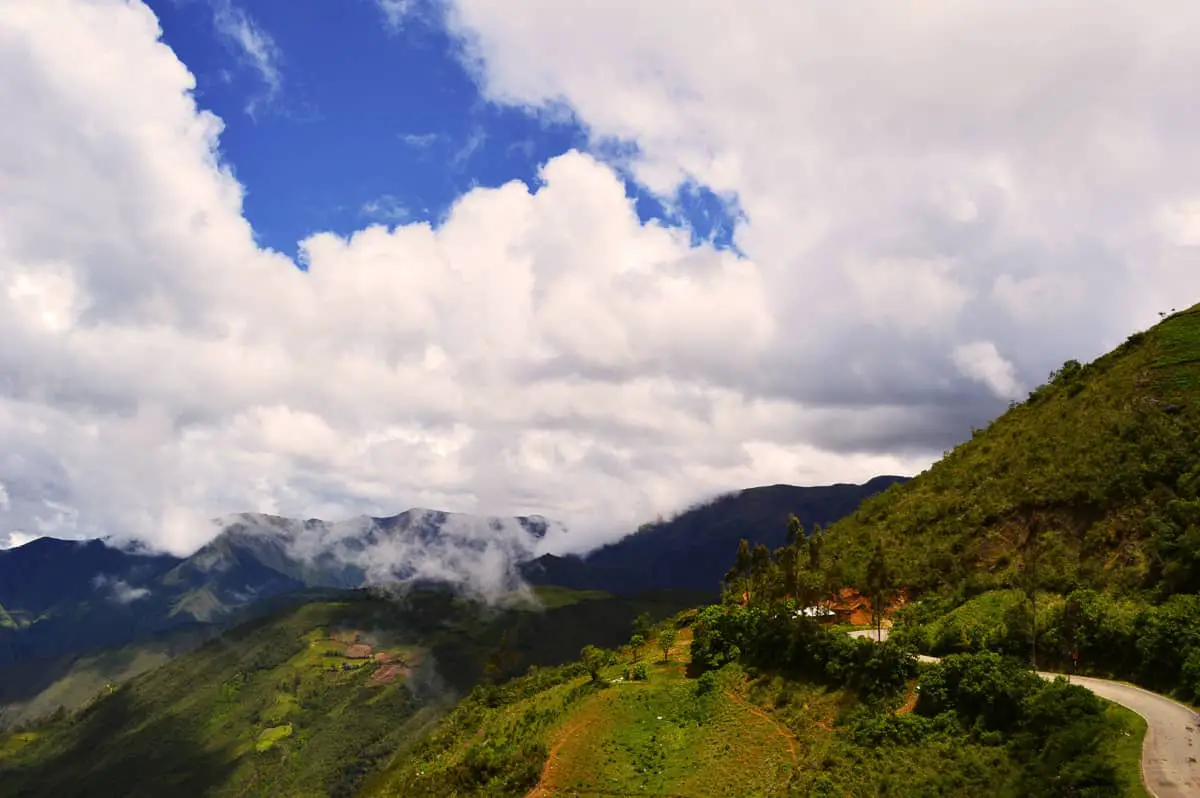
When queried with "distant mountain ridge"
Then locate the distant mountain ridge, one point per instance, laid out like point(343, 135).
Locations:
point(61, 596)
point(693, 551)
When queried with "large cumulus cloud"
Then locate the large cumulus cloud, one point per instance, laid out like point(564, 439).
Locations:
point(941, 203)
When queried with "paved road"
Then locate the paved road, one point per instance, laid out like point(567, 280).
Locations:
point(1170, 750)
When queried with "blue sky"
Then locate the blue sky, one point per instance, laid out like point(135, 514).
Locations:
point(333, 119)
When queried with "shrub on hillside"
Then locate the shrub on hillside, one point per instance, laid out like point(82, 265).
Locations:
point(1058, 730)
point(760, 638)
point(707, 683)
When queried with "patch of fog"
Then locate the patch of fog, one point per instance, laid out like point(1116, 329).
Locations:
point(119, 590)
point(478, 555)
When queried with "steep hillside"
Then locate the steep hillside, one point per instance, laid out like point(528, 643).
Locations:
point(694, 550)
point(306, 701)
point(1093, 480)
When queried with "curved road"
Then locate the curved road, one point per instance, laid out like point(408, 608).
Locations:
point(1169, 751)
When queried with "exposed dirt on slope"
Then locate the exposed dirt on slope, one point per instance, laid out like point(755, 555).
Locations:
point(782, 730)
point(910, 702)
point(588, 716)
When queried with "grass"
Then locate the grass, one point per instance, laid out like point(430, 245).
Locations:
point(267, 738)
point(1126, 752)
point(89, 678)
point(659, 737)
point(273, 706)
point(13, 744)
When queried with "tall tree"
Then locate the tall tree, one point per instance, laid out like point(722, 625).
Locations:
point(814, 548)
point(593, 660)
point(499, 660)
point(880, 586)
point(787, 561)
point(666, 639)
point(1027, 576)
point(795, 530)
point(760, 569)
point(642, 626)
point(635, 648)
point(737, 580)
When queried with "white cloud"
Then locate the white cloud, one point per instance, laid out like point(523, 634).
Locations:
point(255, 47)
point(914, 183)
point(419, 140)
point(386, 208)
point(396, 12)
point(981, 361)
point(469, 148)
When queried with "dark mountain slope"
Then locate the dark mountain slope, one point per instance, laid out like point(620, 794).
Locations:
point(694, 550)
point(63, 596)
point(47, 572)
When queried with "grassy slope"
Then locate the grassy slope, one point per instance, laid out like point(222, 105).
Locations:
point(1087, 463)
point(654, 737)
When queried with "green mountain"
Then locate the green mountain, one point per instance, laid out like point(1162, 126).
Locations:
point(308, 700)
point(1097, 472)
point(1066, 533)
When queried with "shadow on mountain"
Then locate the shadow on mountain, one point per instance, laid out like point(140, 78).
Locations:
point(109, 751)
point(694, 550)
point(25, 681)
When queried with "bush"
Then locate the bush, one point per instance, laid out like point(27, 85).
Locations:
point(1063, 729)
point(984, 689)
point(707, 683)
point(777, 640)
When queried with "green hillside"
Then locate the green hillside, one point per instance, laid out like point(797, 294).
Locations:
point(1100, 467)
point(846, 724)
point(306, 701)
point(1066, 533)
